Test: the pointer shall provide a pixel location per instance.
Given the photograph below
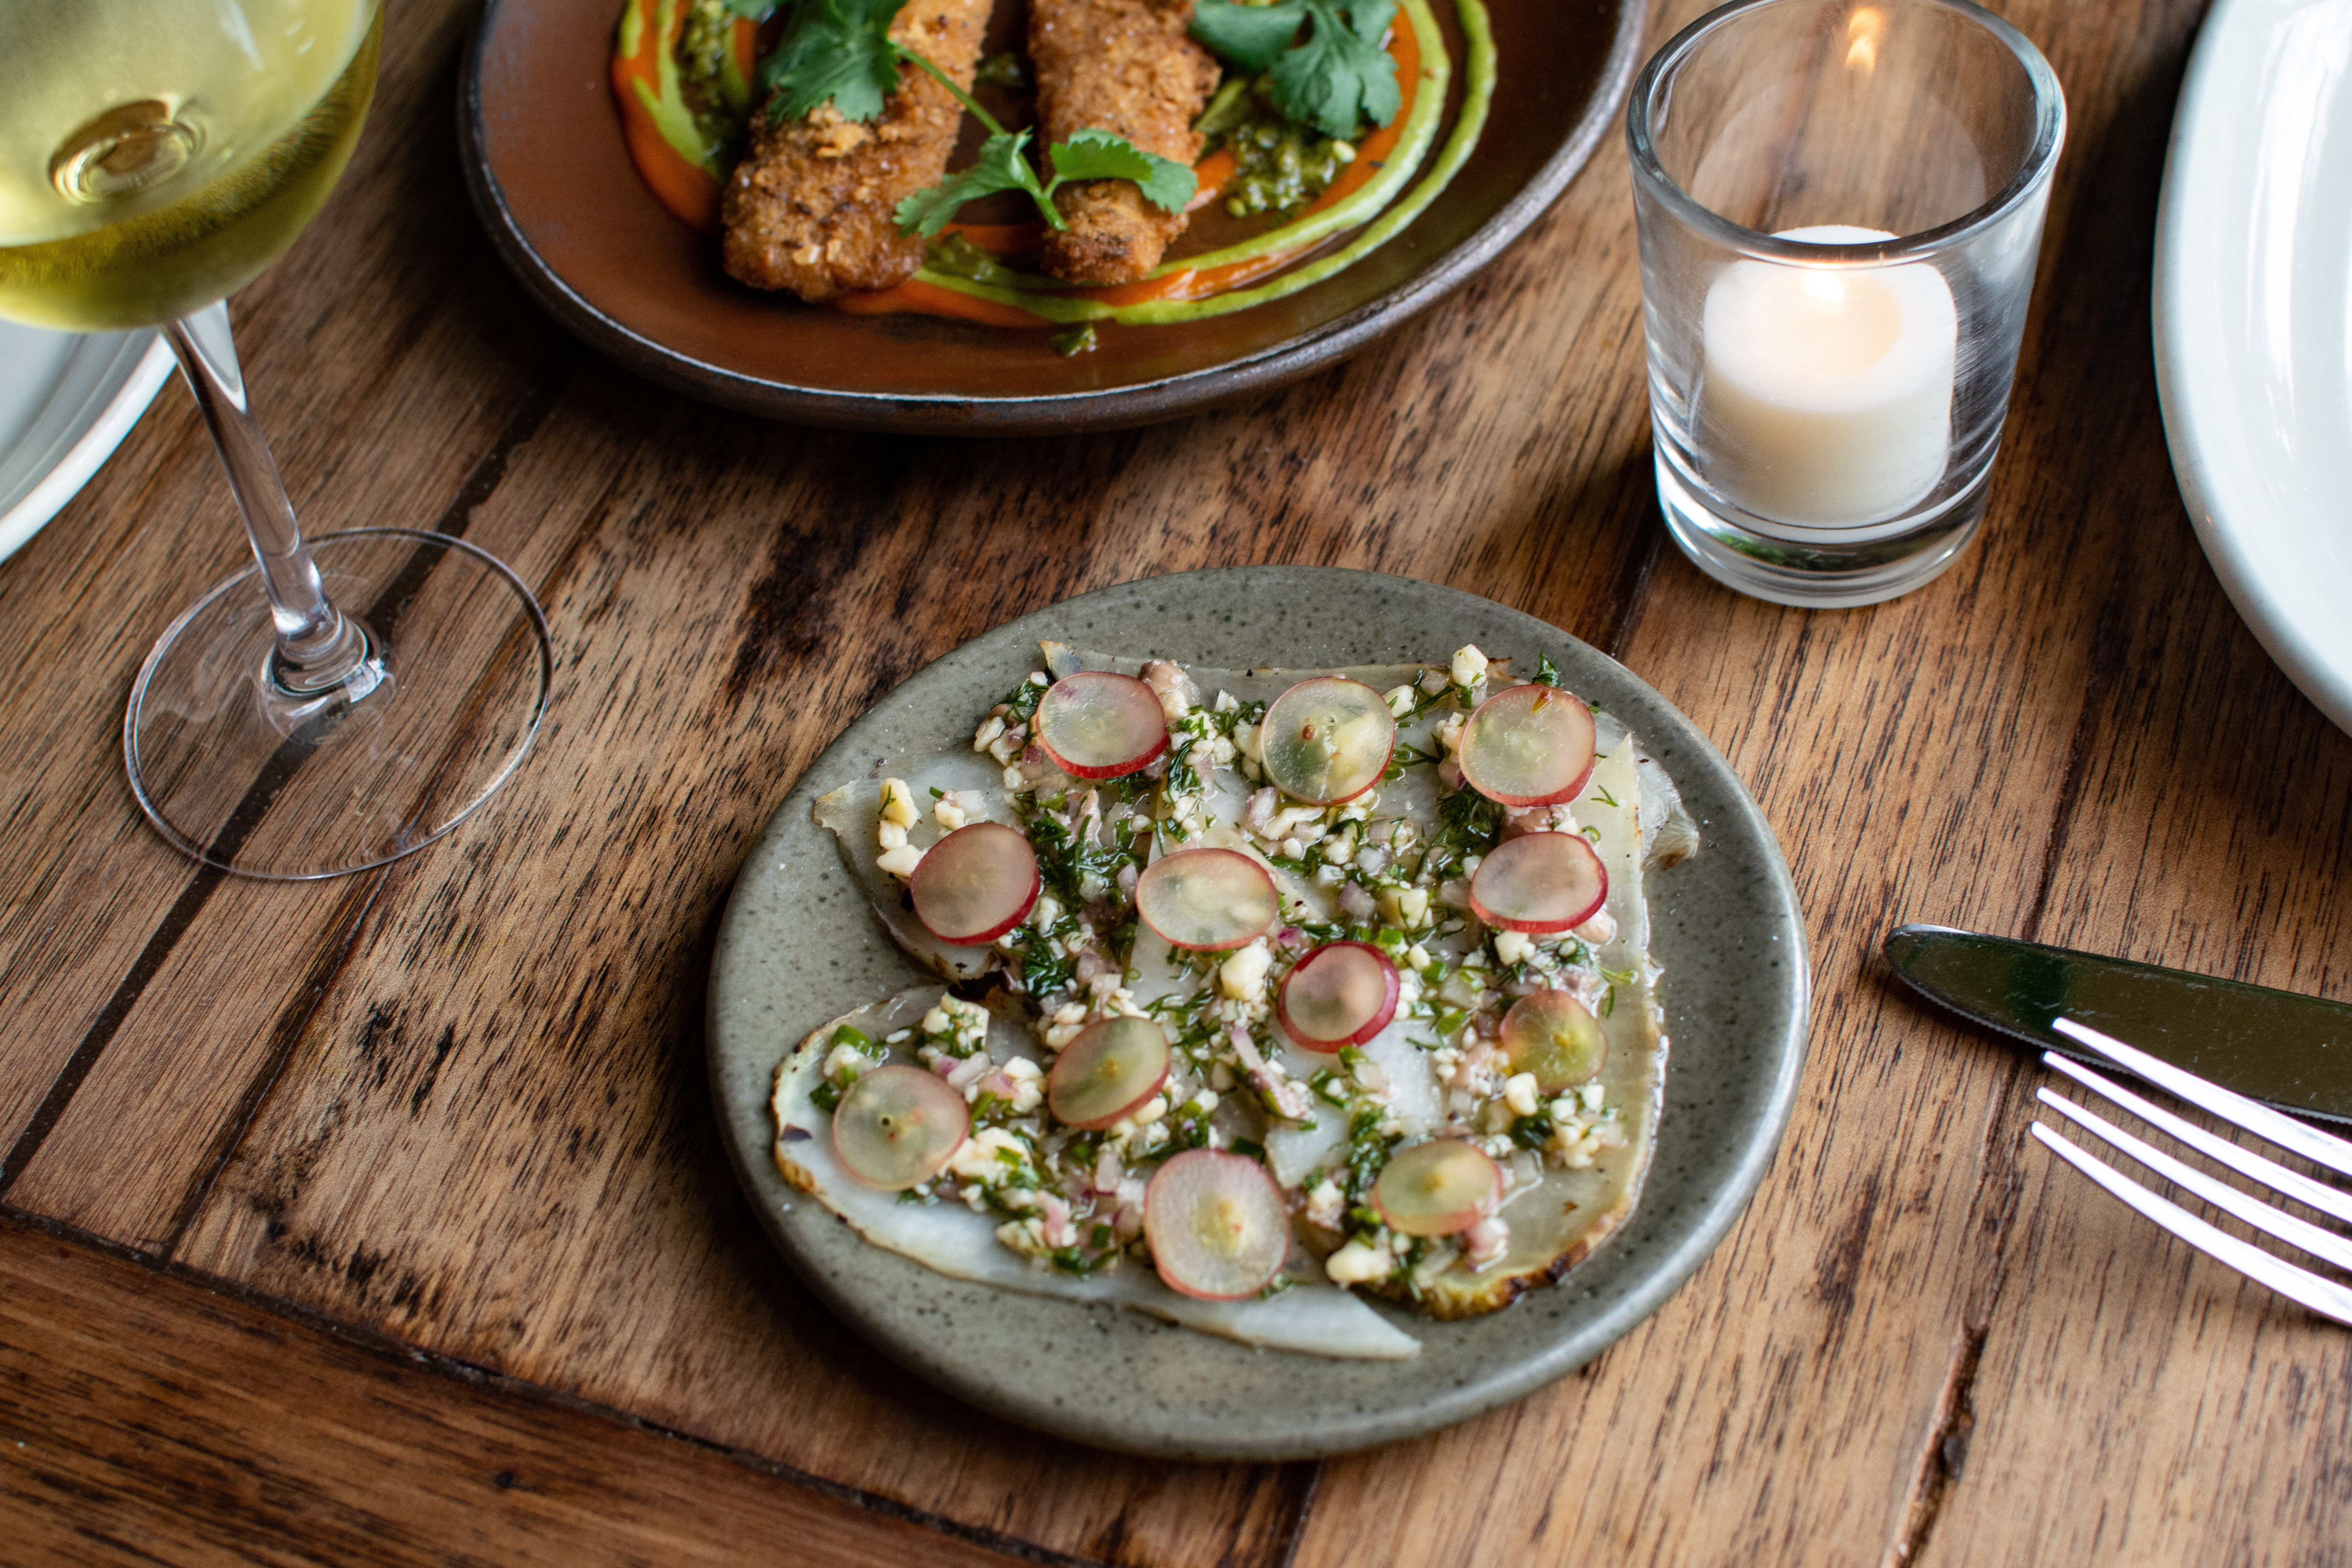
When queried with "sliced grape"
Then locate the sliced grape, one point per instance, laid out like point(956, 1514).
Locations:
point(1341, 994)
point(975, 884)
point(1540, 882)
point(1217, 1226)
point(1107, 1072)
point(1555, 1036)
point(1529, 745)
point(1098, 724)
point(1437, 1188)
point(1206, 900)
point(1327, 740)
point(897, 1125)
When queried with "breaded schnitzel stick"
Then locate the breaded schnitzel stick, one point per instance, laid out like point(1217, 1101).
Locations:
point(810, 206)
point(1125, 67)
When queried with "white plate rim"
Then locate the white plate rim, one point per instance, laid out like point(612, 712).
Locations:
point(107, 426)
point(2247, 489)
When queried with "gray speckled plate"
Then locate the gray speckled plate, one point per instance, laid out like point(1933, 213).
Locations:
point(798, 947)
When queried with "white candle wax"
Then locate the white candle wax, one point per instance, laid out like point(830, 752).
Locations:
point(1826, 401)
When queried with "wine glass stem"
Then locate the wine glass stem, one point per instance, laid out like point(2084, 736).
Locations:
point(318, 648)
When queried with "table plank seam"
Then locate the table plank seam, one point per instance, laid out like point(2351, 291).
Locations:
point(1945, 1450)
point(376, 1341)
point(292, 1021)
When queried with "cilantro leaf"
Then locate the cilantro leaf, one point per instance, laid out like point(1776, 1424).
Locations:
point(1337, 78)
point(1341, 75)
point(1099, 155)
point(1000, 167)
point(1250, 37)
point(836, 51)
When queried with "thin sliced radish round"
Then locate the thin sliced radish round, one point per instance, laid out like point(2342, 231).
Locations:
point(1098, 724)
point(897, 1125)
point(1555, 1036)
point(1107, 1072)
point(1217, 1226)
point(1529, 745)
point(1437, 1188)
point(1341, 994)
point(975, 884)
point(1206, 900)
point(1539, 883)
point(1327, 741)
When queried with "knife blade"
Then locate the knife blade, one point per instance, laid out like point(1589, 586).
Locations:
point(2292, 1051)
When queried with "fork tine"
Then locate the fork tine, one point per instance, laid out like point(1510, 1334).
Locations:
point(2245, 1161)
point(2329, 1300)
point(2324, 1244)
point(2318, 1147)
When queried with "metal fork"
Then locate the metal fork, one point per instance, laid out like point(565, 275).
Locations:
point(2323, 1296)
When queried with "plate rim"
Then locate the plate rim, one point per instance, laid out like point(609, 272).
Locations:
point(2196, 395)
point(1700, 1226)
point(134, 390)
point(1142, 403)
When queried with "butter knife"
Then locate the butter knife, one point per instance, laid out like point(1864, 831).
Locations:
point(2295, 1052)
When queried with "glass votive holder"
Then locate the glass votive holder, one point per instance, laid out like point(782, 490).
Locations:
point(1840, 207)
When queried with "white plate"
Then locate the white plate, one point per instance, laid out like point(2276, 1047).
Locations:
point(65, 402)
point(2253, 325)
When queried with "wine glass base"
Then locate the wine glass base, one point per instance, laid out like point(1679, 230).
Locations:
point(256, 778)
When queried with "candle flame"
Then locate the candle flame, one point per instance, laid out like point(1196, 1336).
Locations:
point(1863, 30)
point(1825, 288)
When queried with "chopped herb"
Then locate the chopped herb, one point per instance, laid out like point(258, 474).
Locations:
point(826, 1097)
point(1605, 797)
point(1077, 340)
point(1335, 78)
point(1250, 1147)
point(1546, 670)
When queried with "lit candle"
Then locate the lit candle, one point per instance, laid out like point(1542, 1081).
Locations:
point(1825, 400)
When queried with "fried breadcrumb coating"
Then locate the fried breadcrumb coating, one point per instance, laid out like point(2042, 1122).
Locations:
point(1125, 67)
point(810, 208)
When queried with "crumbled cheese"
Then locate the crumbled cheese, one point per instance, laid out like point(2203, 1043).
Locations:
point(1469, 666)
point(1593, 1095)
point(949, 812)
point(1512, 947)
point(1326, 1205)
point(898, 803)
point(985, 736)
point(1357, 1264)
point(1519, 1093)
point(1227, 702)
point(1399, 699)
point(890, 834)
point(846, 1061)
point(1243, 976)
point(1406, 907)
point(975, 1159)
point(900, 862)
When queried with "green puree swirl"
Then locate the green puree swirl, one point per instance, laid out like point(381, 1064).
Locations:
point(1412, 145)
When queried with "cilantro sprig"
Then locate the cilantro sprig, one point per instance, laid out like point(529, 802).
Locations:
point(1334, 79)
point(841, 52)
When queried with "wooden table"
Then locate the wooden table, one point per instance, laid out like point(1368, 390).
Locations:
point(384, 1220)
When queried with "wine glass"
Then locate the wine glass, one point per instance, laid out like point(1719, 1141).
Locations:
point(348, 698)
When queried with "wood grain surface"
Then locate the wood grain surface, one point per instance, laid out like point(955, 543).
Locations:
point(330, 1207)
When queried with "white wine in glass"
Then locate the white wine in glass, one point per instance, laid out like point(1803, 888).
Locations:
point(349, 698)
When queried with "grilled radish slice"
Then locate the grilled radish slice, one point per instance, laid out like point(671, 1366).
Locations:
point(1217, 1226)
point(1538, 883)
point(1327, 741)
point(1437, 1188)
point(1206, 900)
point(975, 884)
point(1342, 994)
point(1529, 745)
point(897, 1125)
point(1555, 1036)
point(1096, 725)
point(1107, 1072)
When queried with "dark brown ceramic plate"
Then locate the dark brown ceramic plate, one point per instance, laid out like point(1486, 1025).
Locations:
point(550, 174)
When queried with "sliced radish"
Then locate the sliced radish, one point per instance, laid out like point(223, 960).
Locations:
point(1217, 1226)
point(1342, 994)
point(1437, 1188)
point(1555, 1036)
point(1206, 900)
point(1529, 745)
point(897, 1125)
point(1539, 883)
point(1327, 740)
point(1107, 1072)
point(975, 884)
point(1098, 724)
